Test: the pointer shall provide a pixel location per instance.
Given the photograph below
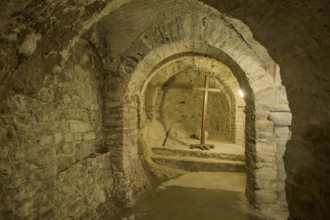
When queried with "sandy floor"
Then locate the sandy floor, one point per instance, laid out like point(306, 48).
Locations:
point(195, 196)
point(210, 180)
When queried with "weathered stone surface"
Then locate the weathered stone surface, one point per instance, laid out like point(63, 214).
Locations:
point(29, 44)
point(264, 197)
point(27, 58)
point(262, 114)
point(172, 97)
point(281, 118)
point(89, 136)
point(78, 127)
point(264, 126)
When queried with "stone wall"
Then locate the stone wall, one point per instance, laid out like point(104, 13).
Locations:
point(53, 163)
point(299, 43)
point(120, 128)
point(180, 107)
point(265, 146)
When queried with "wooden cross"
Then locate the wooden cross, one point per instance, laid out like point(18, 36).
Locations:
point(206, 90)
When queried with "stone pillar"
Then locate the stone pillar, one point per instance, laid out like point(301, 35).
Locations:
point(121, 125)
point(282, 123)
point(266, 135)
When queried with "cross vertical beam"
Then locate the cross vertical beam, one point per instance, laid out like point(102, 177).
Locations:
point(206, 95)
point(206, 90)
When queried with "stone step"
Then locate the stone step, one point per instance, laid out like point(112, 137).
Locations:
point(197, 153)
point(199, 164)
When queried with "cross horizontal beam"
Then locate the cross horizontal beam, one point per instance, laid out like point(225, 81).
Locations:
point(206, 89)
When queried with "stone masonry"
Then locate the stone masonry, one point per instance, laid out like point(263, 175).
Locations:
point(73, 106)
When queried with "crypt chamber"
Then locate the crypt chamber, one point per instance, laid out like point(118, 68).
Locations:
point(173, 113)
point(99, 100)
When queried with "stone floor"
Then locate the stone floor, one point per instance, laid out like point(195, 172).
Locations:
point(221, 145)
point(195, 196)
point(177, 154)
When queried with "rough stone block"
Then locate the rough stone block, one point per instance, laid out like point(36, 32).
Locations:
point(281, 95)
point(27, 208)
point(266, 174)
point(265, 148)
point(77, 137)
point(280, 108)
point(5, 168)
point(80, 127)
point(261, 114)
point(263, 135)
point(73, 115)
point(280, 142)
point(85, 149)
point(263, 196)
point(261, 165)
point(4, 150)
point(89, 136)
point(264, 184)
point(282, 131)
point(265, 158)
point(68, 148)
point(85, 116)
point(98, 195)
point(47, 172)
point(265, 93)
point(263, 105)
point(26, 191)
point(264, 126)
point(58, 138)
point(29, 44)
point(64, 161)
point(281, 118)
point(68, 137)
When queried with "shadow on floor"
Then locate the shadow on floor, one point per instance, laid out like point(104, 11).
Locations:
point(194, 196)
point(178, 203)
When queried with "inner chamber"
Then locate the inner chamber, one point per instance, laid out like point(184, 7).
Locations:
point(173, 113)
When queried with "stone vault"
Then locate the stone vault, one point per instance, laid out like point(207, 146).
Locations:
point(73, 106)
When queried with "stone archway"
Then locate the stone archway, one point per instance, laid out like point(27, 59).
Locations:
point(192, 64)
point(262, 151)
point(229, 42)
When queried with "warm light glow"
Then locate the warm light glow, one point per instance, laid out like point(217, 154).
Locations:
point(241, 93)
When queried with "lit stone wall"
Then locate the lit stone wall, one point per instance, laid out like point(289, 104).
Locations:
point(239, 125)
point(53, 163)
point(179, 107)
point(225, 108)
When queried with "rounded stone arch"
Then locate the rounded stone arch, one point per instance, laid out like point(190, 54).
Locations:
point(260, 91)
point(219, 72)
point(264, 96)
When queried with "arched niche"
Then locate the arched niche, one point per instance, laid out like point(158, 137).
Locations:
point(169, 98)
